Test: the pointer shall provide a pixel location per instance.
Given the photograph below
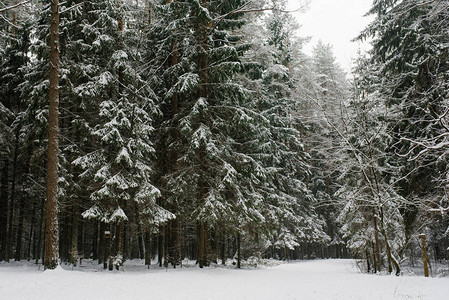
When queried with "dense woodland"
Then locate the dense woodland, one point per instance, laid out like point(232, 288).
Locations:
point(199, 129)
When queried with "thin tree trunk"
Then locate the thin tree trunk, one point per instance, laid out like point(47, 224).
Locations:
point(95, 252)
point(4, 209)
point(119, 242)
point(159, 247)
point(102, 244)
point(147, 249)
point(32, 235)
point(174, 242)
point(376, 239)
point(391, 259)
point(148, 9)
point(239, 251)
point(374, 258)
point(74, 253)
point(223, 249)
point(12, 200)
point(14, 20)
point(51, 223)
point(20, 225)
point(202, 245)
point(141, 237)
point(166, 241)
point(39, 242)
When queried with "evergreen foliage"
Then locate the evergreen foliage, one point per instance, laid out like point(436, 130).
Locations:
point(200, 129)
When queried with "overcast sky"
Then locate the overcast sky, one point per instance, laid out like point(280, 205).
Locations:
point(335, 22)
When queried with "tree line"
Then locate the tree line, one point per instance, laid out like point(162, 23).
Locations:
point(201, 130)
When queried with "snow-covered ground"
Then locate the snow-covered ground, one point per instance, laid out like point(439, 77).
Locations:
point(318, 279)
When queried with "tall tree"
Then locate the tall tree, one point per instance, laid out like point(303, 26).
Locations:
point(410, 50)
point(51, 208)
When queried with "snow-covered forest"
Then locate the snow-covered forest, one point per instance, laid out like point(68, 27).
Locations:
point(166, 130)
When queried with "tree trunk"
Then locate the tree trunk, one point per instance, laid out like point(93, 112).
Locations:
point(173, 250)
point(14, 20)
point(51, 223)
point(74, 242)
point(39, 241)
point(147, 249)
point(119, 243)
point(4, 208)
point(159, 247)
point(376, 239)
point(95, 250)
point(32, 235)
point(391, 259)
point(223, 249)
point(20, 225)
point(239, 251)
point(102, 243)
point(12, 200)
point(368, 266)
point(141, 236)
point(374, 258)
point(202, 246)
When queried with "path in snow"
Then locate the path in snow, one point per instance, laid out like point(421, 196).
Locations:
point(318, 279)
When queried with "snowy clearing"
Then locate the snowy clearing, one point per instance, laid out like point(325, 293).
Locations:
point(318, 279)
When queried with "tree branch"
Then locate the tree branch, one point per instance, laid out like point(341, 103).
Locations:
point(14, 6)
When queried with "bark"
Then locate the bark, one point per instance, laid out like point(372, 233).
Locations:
point(166, 239)
point(95, 252)
point(51, 223)
point(376, 239)
point(173, 247)
point(141, 237)
point(239, 251)
point(39, 241)
point(368, 266)
point(4, 208)
point(147, 249)
point(173, 225)
point(223, 249)
point(107, 257)
point(12, 202)
point(119, 241)
point(148, 9)
point(202, 246)
point(20, 225)
point(120, 19)
point(32, 235)
point(14, 20)
point(102, 244)
point(374, 258)
point(75, 227)
point(159, 247)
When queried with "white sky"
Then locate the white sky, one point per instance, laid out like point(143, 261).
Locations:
point(334, 22)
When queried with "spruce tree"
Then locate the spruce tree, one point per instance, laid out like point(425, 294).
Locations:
point(121, 167)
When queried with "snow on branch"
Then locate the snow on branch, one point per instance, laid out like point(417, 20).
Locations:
point(13, 6)
point(246, 8)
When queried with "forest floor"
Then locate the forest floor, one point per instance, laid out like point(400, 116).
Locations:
point(313, 279)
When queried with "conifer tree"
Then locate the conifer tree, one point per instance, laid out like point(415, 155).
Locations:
point(51, 207)
point(121, 168)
